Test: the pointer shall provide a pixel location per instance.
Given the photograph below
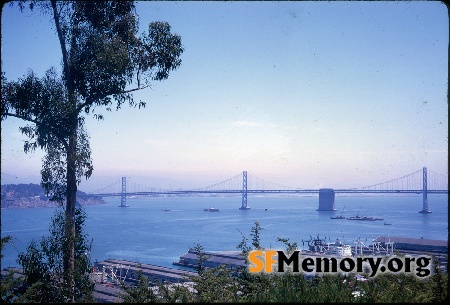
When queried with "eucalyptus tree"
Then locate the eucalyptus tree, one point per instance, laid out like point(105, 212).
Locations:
point(104, 60)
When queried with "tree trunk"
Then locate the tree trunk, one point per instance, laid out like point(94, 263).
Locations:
point(71, 199)
point(71, 187)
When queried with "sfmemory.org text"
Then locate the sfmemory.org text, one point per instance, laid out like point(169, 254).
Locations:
point(278, 261)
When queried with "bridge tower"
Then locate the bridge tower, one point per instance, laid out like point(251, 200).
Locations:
point(425, 192)
point(244, 205)
point(123, 196)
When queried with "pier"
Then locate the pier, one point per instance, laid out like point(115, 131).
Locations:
point(108, 275)
point(115, 271)
point(232, 259)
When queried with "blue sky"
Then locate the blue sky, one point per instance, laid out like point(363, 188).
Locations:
point(304, 94)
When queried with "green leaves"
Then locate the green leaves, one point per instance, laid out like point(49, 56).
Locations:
point(42, 101)
point(162, 51)
point(42, 264)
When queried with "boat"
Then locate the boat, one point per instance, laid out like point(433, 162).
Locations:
point(356, 217)
point(339, 216)
point(343, 250)
point(371, 218)
point(166, 210)
point(387, 224)
point(210, 209)
point(366, 218)
point(337, 248)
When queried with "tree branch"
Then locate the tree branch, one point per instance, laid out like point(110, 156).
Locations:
point(53, 130)
point(90, 100)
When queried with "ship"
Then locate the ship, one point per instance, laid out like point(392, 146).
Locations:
point(339, 249)
point(357, 217)
point(317, 244)
point(210, 209)
point(366, 218)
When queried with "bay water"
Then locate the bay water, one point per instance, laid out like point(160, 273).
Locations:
point(144, 232)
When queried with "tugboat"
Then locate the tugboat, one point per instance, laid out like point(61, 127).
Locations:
point(339, 216)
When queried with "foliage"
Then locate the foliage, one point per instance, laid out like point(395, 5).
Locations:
point(255, 233)
point(10, 282)
point(201, 258)
point(22, 190)
point(139, 293)
point(11, 286)
point(175, 293)
point(44, 102)
point(216, 285)
point(42, 265)
point(143, 291)
point(256, 243)
point(7, 239)
point(439, 282)
point(290, 247)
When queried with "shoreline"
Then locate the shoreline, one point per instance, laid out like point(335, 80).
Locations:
point(30, 203)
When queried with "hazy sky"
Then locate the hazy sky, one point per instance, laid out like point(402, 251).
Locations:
point(305, 94)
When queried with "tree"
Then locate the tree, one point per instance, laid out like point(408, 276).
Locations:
point(9, 283)
point(42, 265)
point(141, 292)
point(290, 247)
point(104, 61)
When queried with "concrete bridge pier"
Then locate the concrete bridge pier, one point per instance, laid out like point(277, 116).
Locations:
point(326, 200)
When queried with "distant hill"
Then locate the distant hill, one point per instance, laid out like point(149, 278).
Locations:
point(33, 196)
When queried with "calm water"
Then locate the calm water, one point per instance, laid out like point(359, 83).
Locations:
point(145, 233)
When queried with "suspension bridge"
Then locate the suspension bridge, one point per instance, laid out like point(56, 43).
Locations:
point(422, 181)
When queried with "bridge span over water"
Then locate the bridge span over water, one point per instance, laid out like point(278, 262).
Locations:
point(419, 182)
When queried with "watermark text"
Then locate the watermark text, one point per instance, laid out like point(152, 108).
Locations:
point(276, 261)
